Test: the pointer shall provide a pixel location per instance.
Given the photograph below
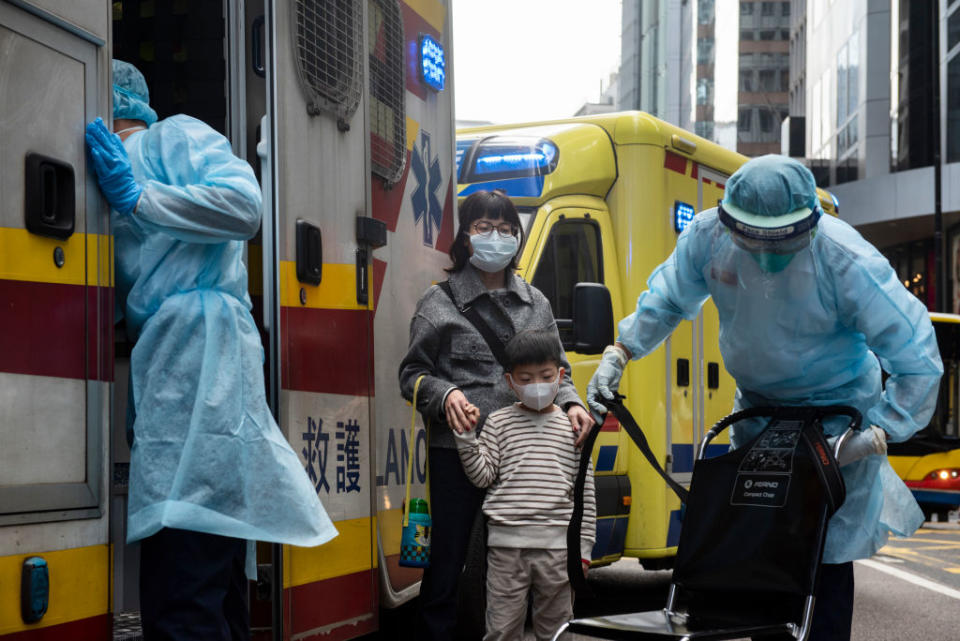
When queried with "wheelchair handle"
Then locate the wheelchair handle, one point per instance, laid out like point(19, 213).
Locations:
point(803, 412)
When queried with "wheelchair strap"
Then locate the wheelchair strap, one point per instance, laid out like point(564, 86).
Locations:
point(574, 564)
point(826, 465)
point(618, 409)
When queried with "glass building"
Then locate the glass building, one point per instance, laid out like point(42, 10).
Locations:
point(872, 77)
point(719, 68)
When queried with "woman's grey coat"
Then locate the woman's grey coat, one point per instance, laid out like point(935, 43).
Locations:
point(453, 354)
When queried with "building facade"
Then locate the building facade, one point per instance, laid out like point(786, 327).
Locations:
point(717, 67)
point(764, 75)
point(873, 75)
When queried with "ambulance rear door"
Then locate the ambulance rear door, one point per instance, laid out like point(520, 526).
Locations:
point(56, 313)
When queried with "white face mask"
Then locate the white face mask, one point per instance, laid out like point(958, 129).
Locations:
point(537, 396)
point(492, 252)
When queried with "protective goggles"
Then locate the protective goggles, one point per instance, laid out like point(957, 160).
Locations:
point(785, 234)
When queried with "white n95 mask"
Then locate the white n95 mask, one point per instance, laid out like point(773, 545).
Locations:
point(537, 396)
point(492, 252)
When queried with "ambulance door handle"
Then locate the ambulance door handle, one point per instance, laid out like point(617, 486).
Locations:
point(371, 234)
point(713, 375)
point(49, 196)
point(256, 44)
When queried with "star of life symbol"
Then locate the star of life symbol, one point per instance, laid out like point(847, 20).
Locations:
point(426, 204)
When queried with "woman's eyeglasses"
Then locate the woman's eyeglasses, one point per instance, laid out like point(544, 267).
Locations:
point(484, 227)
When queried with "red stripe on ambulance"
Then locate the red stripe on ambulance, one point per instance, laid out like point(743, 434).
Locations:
point(327, 350)
point(676, 163)
point(318, 606)
point(48, 329)
point(96, 628)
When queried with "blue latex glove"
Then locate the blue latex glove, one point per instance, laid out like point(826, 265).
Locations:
point(112, 166)
point(606, 379)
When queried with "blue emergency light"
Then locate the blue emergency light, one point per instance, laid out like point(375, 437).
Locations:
point(432, 62)
point(515, 159)
point(682, 215)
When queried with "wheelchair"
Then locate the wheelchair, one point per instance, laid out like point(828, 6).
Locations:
point(753, 533)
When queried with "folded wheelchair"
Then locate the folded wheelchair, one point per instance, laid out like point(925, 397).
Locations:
point(753, 533)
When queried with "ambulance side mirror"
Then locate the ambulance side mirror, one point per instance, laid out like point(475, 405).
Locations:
point(592, 318)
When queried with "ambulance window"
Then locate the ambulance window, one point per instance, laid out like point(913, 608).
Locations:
point(572, 255)
point(388, 120)
point(327, 41)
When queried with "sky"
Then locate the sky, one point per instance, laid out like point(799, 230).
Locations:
point(522, 60)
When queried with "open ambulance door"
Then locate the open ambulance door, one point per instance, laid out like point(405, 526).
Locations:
point(56, 311)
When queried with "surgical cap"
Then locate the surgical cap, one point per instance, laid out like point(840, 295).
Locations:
point(771, 185)
point(131, 98)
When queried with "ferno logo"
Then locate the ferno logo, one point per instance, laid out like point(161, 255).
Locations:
point(822, 454)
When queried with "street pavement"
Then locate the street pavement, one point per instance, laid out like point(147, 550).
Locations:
point(909, 591)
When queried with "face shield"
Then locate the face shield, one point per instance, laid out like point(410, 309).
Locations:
point(763, 235)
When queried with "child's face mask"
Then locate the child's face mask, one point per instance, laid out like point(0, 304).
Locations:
point(538, 394)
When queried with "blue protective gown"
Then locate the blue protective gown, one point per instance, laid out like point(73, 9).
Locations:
point(816, 333)
point(207, 454)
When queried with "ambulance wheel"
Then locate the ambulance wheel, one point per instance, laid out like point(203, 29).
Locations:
point(472, 599)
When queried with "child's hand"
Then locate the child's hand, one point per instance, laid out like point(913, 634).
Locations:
point(461, 414)
point(472, 412)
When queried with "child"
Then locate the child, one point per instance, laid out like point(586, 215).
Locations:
point(525, 455)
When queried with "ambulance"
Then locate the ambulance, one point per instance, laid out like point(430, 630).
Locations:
point(345, 111)
point(603, 199)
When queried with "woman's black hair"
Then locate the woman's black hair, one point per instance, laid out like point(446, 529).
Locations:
point(494, 205)
point(532, 347)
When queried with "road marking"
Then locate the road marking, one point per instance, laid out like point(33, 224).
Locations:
point(909, 554)
point(953, 570)
point(912, 578)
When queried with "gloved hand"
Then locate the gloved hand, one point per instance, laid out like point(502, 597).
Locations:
point(862, 444)
point(606, 379)
point(112, 166)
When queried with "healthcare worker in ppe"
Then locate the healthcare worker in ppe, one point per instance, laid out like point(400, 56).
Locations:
point(209, 471)
point(809, 314)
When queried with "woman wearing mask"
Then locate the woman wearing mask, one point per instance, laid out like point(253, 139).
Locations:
point(464, 381)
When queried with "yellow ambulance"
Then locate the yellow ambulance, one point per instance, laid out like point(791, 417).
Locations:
point(603, 199)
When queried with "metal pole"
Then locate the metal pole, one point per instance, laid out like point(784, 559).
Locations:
point(941, 275)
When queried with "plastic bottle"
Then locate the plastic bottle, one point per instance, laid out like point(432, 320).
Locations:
point(415, 540)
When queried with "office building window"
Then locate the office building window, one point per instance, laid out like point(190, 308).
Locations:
point(911, 90)
point(953, 30)
point(953, 109)
point(848, 96)
point(766, 120)
point(746, 80)
point(704, 129)
point(746, 8)
point(704, 91)
point(705, 51)
point(785, 9)
point(705, 9)
point(745, 119)
point(767, 8)
point(768, 80)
